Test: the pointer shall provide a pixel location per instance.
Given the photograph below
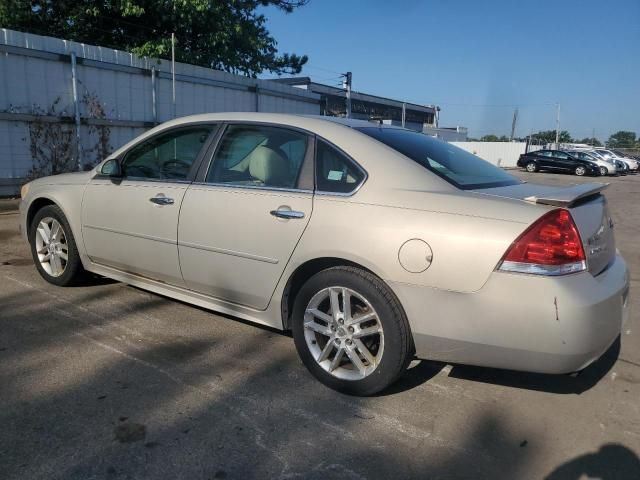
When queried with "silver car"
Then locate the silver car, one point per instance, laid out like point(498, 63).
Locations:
point(606, 166)
point(631, 163)
point(372, 244)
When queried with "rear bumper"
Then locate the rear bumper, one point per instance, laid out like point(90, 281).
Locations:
point(521, 322)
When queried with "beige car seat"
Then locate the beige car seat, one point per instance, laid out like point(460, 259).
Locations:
point(269, 167)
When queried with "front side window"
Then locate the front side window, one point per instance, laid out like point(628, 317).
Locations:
point(168, 156)
point(560, 155)
point(334, 171)
point(256, 155)
point(456, 166)
point(543, 153)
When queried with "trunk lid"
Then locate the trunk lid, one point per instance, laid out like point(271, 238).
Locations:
point(588, 208)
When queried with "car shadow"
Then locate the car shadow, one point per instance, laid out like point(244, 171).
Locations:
point(560, 384)
point(416, 375)
point(612, 462)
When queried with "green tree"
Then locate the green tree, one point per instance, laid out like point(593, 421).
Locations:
point(227, 35)
point(489, 138)
point(590, 141)
point(622, 139)
point(549, 136)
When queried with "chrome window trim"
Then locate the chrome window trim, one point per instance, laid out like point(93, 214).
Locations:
point(141, 180)
point(251, 187)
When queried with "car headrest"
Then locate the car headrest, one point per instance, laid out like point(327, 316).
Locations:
point(268, 166)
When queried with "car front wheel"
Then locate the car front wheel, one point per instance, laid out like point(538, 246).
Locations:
point(580, 171)
point(532, 167)
point(53, 247)
point(350, 331)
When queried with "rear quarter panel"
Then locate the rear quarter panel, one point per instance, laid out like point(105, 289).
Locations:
point(465, 248)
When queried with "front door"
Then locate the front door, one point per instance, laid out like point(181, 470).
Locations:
point(240, 225)
point(130, 223)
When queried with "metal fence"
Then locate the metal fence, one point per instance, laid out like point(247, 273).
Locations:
point(100, 98)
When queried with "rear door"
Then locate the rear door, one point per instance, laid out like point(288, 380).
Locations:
point(130, 223)
point(240, 223)
point(563, 161)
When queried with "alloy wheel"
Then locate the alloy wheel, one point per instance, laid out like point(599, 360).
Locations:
point(51, 246)
point(531, 167)
point(343, 333)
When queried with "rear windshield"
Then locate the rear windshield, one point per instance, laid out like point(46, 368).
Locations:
point(456, 166)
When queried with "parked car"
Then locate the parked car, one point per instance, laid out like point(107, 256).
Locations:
point(556, 161)
point(373, 244)
point(606, 167)
point(631, 163)
point(622, 167)
point(622, 154)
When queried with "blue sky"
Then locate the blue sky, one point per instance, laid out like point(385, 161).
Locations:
point(480, 59)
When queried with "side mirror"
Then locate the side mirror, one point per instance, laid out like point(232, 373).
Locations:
point(111, 168)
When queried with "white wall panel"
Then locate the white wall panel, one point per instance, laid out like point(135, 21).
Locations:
point(502, 154)
point(32, 73)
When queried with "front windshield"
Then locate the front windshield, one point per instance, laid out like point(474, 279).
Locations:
point(457, 166)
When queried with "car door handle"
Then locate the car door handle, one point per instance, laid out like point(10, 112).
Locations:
point(281, 213)
point(162, 200)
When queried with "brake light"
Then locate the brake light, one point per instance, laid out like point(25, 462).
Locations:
point(551, 246)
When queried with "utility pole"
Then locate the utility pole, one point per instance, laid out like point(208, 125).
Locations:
point(513, 124)
point(404, 113)
point(557, 124)
point(593, 137)
point(347, 84)
point(173, 72)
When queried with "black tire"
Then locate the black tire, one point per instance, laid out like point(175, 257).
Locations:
point(73, 270)
point(603, 171)
point(398, 343)
point(531, 167)
point(580, 171)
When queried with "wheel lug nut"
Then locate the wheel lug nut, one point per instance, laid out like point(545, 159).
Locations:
point(341, 321)
point(350, 329)
point(337, 341)
point(333, 328)
point(349, 342)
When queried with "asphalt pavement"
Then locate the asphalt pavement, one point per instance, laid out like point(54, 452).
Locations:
point(106, 381)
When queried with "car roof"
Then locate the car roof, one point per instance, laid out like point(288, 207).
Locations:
point(304, 121)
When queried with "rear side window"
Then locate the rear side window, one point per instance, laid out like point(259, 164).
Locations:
point(458, 167)
point(335, 172)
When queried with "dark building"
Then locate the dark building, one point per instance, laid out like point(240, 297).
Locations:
point(366, 107)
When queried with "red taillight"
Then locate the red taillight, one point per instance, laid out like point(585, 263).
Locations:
point(551, 246)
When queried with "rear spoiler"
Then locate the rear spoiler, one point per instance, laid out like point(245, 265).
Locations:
point(568, 197)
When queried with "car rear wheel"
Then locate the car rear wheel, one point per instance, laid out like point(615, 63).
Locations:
point(603, 171)
point(350, 331)
point(53, 247)
point(580, 171)
point(532, 167)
